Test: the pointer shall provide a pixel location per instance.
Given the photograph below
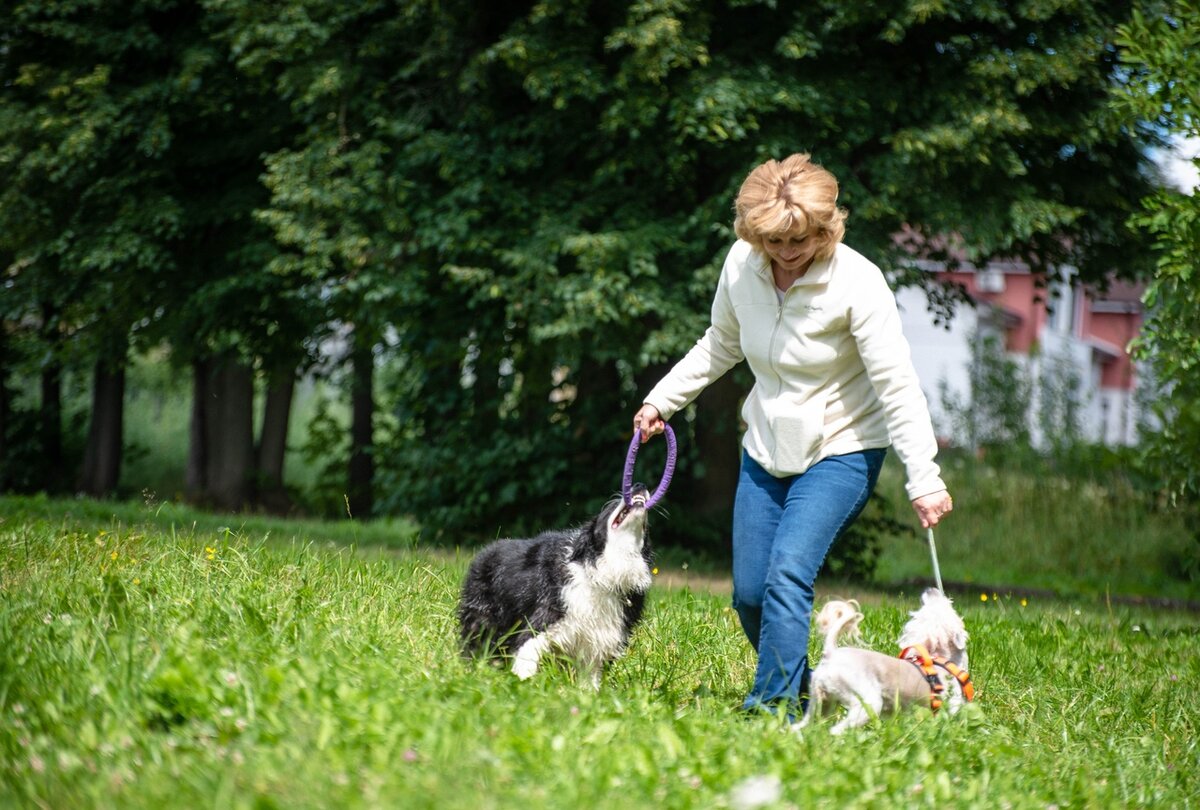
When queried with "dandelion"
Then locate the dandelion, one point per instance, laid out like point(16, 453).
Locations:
point(1024, 602)
point(114, 554)
point(137, 581)
point(983, 597)
point(654, 571)
point(210, 552)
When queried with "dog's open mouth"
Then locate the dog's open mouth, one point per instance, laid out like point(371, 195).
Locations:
point(637, 501)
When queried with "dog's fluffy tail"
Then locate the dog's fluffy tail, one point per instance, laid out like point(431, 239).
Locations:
point(838, 618)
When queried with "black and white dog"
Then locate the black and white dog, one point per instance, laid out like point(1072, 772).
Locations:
point(578, 592)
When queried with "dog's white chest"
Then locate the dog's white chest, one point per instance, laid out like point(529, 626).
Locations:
point(593, 628)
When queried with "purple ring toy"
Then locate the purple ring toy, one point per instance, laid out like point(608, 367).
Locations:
point(668, 470)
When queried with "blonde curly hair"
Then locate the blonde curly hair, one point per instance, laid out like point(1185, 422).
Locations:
point(788, 196)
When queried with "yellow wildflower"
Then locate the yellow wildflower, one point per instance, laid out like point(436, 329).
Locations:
point(983, 597)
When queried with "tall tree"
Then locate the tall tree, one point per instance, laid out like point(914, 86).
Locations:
point(1162, 87)
point(584, 185)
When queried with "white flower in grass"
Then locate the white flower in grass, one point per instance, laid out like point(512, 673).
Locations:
point(230, 678)
point(756, 791)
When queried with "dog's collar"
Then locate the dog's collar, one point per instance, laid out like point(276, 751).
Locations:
point(920, 658)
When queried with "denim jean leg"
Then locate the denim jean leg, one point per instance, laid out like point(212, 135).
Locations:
point(820, 504)
point(757, 508)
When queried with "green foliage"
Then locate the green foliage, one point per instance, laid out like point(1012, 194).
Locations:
point(147, 666)
point(523, 206)
point(1162, 86)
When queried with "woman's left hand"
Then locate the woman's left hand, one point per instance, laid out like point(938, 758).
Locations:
point(933, 507)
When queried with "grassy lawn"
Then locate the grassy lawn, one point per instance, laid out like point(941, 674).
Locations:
point(1043, 533)
point(169, 658)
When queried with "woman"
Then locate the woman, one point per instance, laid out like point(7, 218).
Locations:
point(834, 388)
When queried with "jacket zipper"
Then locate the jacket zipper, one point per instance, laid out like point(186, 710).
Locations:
point(775, 369)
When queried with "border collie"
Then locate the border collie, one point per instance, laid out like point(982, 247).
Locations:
point(578, 592)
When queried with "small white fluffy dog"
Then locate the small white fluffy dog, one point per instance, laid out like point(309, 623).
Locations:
point(868, 683)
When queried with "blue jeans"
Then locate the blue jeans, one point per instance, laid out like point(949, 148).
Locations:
point(782, 530)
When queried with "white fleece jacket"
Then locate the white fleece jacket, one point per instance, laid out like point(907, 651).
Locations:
point(833, 373)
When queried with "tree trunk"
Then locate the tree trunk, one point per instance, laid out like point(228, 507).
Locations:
point(272, 441)
point(196, 474)
point(360, 496)
point(230, 434)
point(4, 411)
point(221, 455)
point(102, 455)
point(485, 393)
point(50, 426)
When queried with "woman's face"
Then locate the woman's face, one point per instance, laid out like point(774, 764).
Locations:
point(792, 251)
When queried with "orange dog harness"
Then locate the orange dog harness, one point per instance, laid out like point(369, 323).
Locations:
point(920, 658)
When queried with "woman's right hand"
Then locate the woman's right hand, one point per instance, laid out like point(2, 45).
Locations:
point(649, 421)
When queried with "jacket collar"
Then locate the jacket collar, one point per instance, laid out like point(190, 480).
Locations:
point(819, 273)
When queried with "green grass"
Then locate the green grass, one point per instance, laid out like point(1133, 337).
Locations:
point(1041, 532)
point(153, 659)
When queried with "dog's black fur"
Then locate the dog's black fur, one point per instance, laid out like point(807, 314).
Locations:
point(515, 589)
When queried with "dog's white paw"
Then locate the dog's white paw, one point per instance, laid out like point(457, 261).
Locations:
point(524, 668)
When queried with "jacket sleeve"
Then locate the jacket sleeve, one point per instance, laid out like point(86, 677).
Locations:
point(718, 350)
point(875, 324)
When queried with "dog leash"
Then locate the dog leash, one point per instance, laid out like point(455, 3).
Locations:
point(937, 573)
point(668, 470)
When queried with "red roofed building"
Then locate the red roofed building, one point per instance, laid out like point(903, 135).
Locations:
point(1083, 329)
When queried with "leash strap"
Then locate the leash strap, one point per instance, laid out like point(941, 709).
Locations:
point(937, 572)
point(668, 470)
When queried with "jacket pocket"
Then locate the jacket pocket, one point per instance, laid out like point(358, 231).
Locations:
point(799, 431)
